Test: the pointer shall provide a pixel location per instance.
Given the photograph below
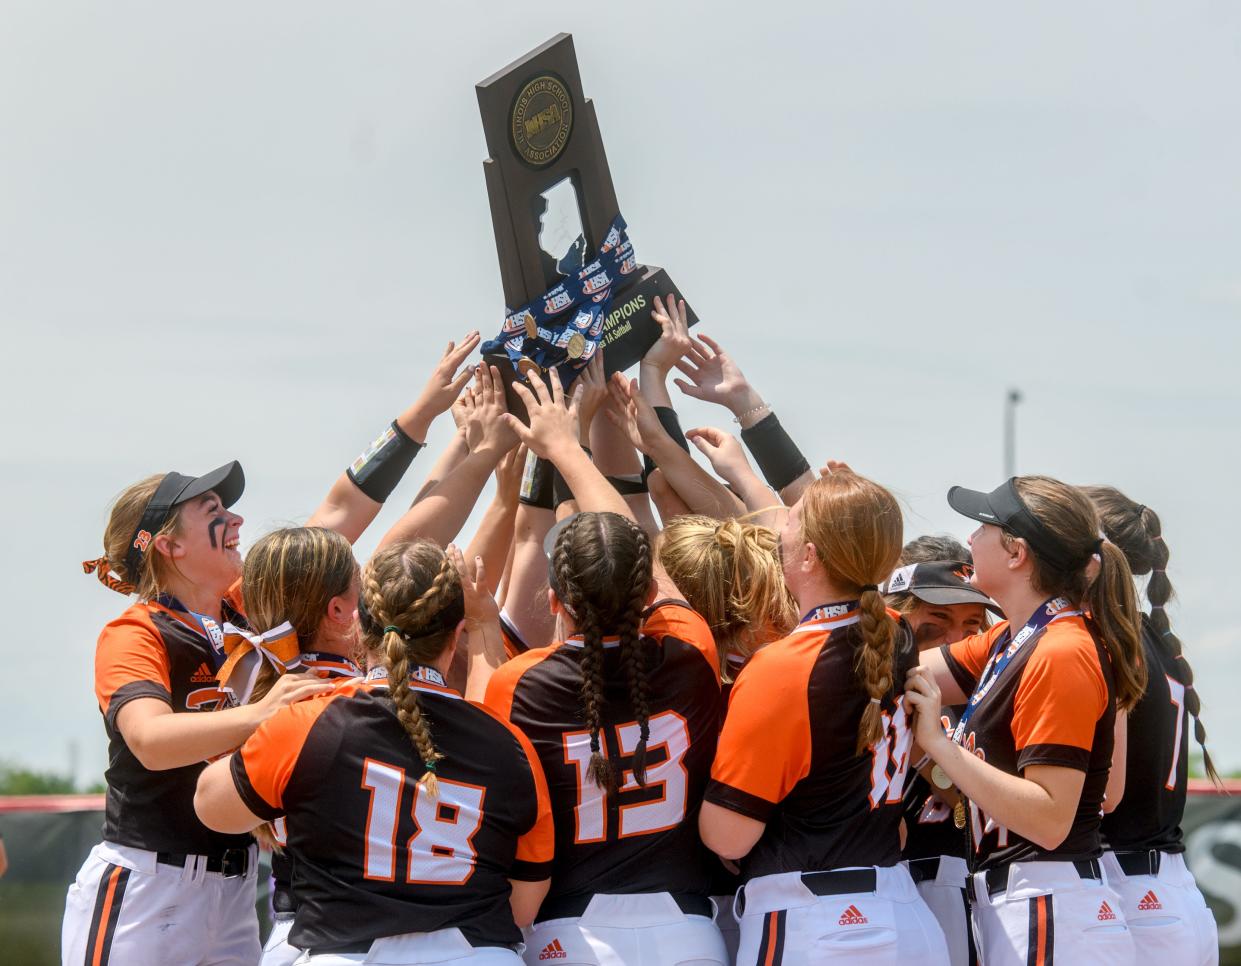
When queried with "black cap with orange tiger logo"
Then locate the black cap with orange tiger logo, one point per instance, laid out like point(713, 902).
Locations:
point(227, 481)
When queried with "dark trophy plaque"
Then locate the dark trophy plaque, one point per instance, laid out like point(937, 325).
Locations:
point(552, 201)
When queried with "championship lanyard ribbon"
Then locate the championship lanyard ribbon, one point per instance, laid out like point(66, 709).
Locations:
point(829, 617)
point(247, 654)
point(564, 326)
point(1049, 611)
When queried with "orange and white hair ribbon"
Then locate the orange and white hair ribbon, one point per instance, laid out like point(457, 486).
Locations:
point(247, 652)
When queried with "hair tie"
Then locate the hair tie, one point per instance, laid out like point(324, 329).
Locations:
point(875, 701)
point(101, 567)
point(866, 587)
point(594, 743)
point(1140, 510)
point(393, 629)
point(430, 766)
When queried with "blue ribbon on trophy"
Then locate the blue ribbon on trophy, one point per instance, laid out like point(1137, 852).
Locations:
point(564, 326)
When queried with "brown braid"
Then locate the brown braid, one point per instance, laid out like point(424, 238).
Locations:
point(629, 628)
point(1138, 533)
point(589, 559)
point(855, 527)
point(402, 597)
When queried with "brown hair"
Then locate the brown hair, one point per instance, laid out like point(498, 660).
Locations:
point(601, 569)
point(1136, 530)
point(729, 572)
point(123, 520)
point(855, 526)
point(1070, 519)
point(411, 593)
point(292, 575)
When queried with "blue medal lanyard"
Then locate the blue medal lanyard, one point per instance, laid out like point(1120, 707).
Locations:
point(209, 627)
point(1050, 610)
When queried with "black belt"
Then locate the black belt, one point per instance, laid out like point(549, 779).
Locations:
point(231, 863)
point(571, 907)
point(1139, 863)
point(997, 878)
point(924, 870)
point(364, 946)
point(839, 882)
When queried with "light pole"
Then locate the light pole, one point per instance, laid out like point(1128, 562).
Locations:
point(1010, 432)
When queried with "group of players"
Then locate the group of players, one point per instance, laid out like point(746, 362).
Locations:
point(767, 731)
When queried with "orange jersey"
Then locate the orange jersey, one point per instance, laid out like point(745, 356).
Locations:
point(165, 653)
point(642, 838)
point(1054, 704)
point(787, 754)
point(375, 854)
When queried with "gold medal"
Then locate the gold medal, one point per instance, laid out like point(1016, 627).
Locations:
point(532, 327)
point(940, 778)
point(528, 367)
point(576, 346)
point(958, 814)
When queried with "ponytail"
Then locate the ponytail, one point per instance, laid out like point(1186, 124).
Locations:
point(874, 664)
point(1113, 608)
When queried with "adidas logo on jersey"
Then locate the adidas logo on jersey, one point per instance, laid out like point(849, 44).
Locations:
point(203, 675)
point(1105, 913)
point(553, 950)
point(852, 917)
point(1150, 902)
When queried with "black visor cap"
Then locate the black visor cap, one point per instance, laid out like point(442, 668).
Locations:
point(1003, 507)
point(227, 481)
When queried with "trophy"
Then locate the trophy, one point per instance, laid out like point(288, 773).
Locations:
point(572, 283)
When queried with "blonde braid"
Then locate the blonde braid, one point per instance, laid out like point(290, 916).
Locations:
point(402, 646)
point(874, 664)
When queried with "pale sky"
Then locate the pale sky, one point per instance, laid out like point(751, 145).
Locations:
point(239, 230)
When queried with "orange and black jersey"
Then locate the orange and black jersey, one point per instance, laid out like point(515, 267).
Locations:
point(929, 828)
point(375, 854)
point(160, 651)
point(1156, 763)
point(641, 838)
point(787, 754)
point(513, 642)
point(1053, 704)
point(335, 667)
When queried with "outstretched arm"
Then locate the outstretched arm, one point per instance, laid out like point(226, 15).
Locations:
point(356, 497)
point(441, 514)
point(494, 536)
point(552, 434)
point(715, 377)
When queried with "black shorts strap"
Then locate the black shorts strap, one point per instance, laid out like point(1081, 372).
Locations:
point(840, 882)
point(1146, 862)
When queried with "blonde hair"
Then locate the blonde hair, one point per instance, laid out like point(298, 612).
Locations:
point(405, 588)
point(123, 520)
point(729, 572)
point(292, 575)
point(856, 529)
point(1067, 515)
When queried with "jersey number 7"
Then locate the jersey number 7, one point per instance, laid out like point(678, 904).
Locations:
point(441, 850)
point(590, 817)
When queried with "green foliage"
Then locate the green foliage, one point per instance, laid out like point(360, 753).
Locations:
point(23, 781)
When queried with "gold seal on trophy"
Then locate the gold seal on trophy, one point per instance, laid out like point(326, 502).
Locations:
point(576, 346)
point(542, 120)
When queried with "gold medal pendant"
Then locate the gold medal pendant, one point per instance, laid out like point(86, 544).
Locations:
point(958, 814)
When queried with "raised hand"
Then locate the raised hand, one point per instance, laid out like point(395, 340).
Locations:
point(492, 432)
point(445, 382)
point(714, 377)
point(508, 475)
point(553, 424)
point(594, 394)
point(480, 605)
point(674, 340)
point(723, 451)
point(633, 413)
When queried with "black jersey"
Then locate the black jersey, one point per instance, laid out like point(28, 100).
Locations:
point(159, 651)
point(929, 828)
point(1157, 760)
point(788, 751)
point(643, 838)
point(376, 854)
point(1053, 704)
point(283, 899)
